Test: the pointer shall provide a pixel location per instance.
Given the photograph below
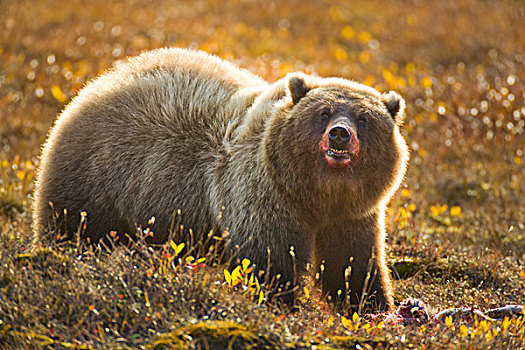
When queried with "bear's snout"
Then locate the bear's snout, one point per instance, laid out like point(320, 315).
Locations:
point(339, 135)
point(343, 137)
point(339, 144)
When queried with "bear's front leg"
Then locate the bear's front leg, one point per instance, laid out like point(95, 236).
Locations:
point(351, 261)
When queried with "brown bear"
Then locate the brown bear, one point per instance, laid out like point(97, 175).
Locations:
point(305, 164)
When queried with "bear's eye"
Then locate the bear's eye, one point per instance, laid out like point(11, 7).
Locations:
point(362, 119)
point(325, 114)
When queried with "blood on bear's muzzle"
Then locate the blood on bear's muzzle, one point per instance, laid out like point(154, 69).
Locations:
point(339, 145)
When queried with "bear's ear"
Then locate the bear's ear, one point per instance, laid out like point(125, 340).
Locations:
point(297, 86)
point(395, 106)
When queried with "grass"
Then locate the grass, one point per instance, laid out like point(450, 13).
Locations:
point(456, 228)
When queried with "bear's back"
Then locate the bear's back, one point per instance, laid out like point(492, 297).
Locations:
point(150, 128)
point(172, 87)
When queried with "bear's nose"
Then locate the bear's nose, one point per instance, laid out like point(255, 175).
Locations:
point(339, 133)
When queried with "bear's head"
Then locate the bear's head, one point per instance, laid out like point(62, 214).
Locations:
point(339, 138)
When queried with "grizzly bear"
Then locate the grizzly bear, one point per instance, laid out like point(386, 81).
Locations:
point(305, 164)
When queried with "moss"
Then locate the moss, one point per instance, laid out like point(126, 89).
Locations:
point(351, 342)
point(408, 267)
point(469, 271)
point(217, 334)
point(38, 341)
point(231, 335)
point(42, 255)
point(44, 259)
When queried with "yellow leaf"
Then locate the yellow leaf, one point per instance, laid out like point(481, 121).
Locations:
point(364, 37)
point(463, 330)
point(485, 186)
point(20, 174)
point(387, 75)
point(455, 211)
point(422, 152)
point(485, 326)
point(261, 297)
point(346, 322)
point(57, 93)
point(355, 317)
point(506, 322)
point(228, 277)
point(405, 192)
point(340, 54)
point(438, 209)
point(426, 82)
point(448, 321)
point(83, 69)
point(245, 264)
point(236, 275)
point(178, 248)
point(68, 66)
point(306, 293)
point(369, 80)
point(410, 67)
point(522, 273)
point(364, 56)
point(347, 32)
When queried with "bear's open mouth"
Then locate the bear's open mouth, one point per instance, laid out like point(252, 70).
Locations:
point(338, 153)
point(339, 158)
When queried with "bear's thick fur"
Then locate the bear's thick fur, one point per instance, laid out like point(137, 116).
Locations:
point(306, 162)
